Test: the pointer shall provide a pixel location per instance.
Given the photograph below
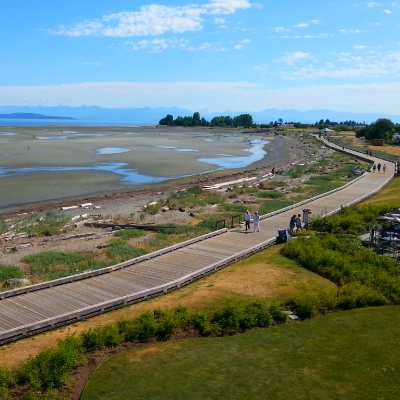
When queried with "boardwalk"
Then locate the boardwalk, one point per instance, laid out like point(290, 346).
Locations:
point(41, 307)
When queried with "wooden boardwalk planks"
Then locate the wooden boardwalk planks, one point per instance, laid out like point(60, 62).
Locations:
point(27, 313)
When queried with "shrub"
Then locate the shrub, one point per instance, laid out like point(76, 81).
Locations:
point(309, 304)
point(50, 367)
point(146, 327)
point(169, 321)
point(6, 378)
point(277, 314)
point(355, 295)
point(200, 322)
point(229, 317)
point(101, 337)
point(153, 208)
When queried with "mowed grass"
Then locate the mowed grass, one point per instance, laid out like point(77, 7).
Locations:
point(347, 355)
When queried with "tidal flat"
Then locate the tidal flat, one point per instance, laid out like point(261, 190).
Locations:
point(39, 163)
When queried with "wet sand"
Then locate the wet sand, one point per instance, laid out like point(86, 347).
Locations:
point(56, 162)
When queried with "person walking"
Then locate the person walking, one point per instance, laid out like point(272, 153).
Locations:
point(292, 224)
point(247, 218)
point(256, 222)
point(298, 223)
point(384, 168)
point(379, 167)
point(374, 168)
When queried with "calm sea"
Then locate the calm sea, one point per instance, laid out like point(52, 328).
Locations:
point(78, 122)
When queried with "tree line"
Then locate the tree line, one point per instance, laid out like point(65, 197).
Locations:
point(243, 120)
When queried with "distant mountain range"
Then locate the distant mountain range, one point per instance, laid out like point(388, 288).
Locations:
point(151, 116)
point(31, 116)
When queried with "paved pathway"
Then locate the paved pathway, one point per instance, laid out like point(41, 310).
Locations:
point(37, 308)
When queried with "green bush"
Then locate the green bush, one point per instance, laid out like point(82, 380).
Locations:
point(101, 337)
point(146, 326)
point(355, 295)
point(200, 322)
point(340, 259)
point(50, 367)
point(309, 304)
point(6, 378)
point(153, 208)
point(169, 321)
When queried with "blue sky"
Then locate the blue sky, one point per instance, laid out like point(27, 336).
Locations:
point(217, 54)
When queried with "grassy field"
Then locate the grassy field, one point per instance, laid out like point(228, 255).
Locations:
point(347, 355)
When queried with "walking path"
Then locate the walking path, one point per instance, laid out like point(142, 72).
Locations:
point(44, 306)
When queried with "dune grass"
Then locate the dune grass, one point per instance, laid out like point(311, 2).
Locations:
point(348, 355)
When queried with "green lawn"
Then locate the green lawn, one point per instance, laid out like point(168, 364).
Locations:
point(346, 355)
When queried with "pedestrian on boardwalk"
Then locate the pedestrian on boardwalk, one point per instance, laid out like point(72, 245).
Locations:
point(292, 224)
point(256, 222)
point(298, 223)
point(247, 218)
point(379, 167)
point(374, 168)
point(384, 168)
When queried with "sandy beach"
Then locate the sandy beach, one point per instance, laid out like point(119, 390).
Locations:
point(47, 163)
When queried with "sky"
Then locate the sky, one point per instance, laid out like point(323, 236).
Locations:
point(238, 55)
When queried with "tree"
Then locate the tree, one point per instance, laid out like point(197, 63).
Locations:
point(168, 120)
point(382, 128)
point(196, 119)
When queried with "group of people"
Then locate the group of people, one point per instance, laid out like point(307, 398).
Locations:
point(295, 222)
point(256, 221)
point(379, 166)
point(368, 152)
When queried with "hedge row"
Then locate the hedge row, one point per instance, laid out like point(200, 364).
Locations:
point(40, 376)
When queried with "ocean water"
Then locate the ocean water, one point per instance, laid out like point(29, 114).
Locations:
point(78, 122)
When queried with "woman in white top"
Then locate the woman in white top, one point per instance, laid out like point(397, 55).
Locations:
point(256, 222)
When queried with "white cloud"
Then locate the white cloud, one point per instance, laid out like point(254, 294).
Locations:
point(157, 45)
point(387, 11)
point(360, 47)
point(245, 41)
point(211, 46)
point(346, 31)
point(303, 25)
point(291, 58)
point(153, 20)
point(372, 4)
point(280, 29)
point(239, 47)
point(219, 20)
